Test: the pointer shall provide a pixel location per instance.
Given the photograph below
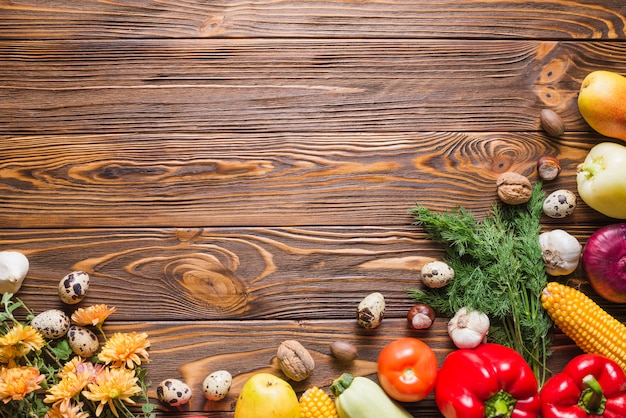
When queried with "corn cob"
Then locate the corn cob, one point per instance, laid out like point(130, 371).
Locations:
point(587, 324)
point(315, 403)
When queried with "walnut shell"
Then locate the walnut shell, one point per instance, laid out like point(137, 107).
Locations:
point(514, 188)
point(294, 360)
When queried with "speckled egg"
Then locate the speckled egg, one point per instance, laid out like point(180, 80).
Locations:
point(52, 323)
point(436, 274)
point(559, 203)
point(173, 392)
point(216, 385)
point(83, 341)
point(73, 287)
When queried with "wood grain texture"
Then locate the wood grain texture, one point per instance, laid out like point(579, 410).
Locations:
point(261, 86)
point(232, 273)
point(270, 180)
point(545, 19)
point(233, 175)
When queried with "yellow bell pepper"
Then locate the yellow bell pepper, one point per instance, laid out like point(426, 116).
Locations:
point(601, 179)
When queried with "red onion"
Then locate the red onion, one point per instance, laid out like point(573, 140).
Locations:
point(604, 262)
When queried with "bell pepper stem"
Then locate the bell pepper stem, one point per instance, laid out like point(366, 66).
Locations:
point(590, 169)
point(502, 404)
point(592, 399)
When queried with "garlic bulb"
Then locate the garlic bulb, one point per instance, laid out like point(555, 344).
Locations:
point(560, 251)
point(13, 269)
point(468, 328)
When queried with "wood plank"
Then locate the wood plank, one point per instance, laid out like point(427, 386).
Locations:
point(254, 86)
point(495, 19)
point(224, 299)
point(247, 273)
point(265, 180)
point(234, 273)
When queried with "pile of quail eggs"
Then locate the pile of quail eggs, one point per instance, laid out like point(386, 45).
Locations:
point(54, 323)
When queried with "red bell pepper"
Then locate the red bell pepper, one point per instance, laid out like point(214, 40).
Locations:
point(590, 385)
point(488, 381)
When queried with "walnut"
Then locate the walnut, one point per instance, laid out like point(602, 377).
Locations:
point(295, 361)
point(514, 188)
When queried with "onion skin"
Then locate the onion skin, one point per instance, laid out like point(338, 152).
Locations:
point(604, 262)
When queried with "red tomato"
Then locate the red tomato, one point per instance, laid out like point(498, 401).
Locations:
point(407, 369)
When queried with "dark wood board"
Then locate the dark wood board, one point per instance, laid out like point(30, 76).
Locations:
point(253, 86)
point(233, 175)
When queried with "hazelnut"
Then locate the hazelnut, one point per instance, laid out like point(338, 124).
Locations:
point(552, 123)
point(420, 316)
point(294, 360)
point(514, 188)
point(343, 351)
point(548, 167)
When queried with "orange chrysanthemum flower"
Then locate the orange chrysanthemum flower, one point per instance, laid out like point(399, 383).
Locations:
point(17, 382)
point(125, 349)
point(69, 386)
point(19, 341)
point(66, 409)
point(111, 386)
point(94, 315)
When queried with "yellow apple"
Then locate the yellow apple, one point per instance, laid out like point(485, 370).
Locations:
point(267, 396)
point(602, 103)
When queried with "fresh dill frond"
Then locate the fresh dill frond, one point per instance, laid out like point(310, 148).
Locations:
point(498, 271)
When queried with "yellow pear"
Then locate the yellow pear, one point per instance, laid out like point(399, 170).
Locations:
point(267, 396)
point(602, 103)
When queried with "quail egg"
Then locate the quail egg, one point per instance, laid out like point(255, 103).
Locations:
point(83, 341)
point(173, 392)
point(437, 274)
point(559, 204)
point(216, 385)
point(73, 287)
point(52, 323)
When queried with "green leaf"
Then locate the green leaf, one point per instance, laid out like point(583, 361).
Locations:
point(62, 350)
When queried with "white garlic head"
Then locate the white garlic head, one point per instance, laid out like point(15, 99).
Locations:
point(13, 269)
point(560, 252)
point(468, 328)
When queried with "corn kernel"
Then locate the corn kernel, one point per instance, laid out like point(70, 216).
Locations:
point(315, 403)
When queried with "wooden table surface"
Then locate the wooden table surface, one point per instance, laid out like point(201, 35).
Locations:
point(232, 175)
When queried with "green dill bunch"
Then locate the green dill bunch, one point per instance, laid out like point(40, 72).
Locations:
point(499, 271)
